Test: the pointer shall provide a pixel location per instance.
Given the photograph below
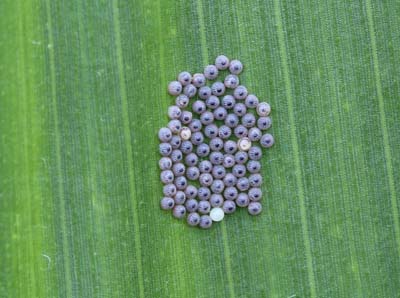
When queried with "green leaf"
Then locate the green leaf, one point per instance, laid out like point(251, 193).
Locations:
point(83, 93)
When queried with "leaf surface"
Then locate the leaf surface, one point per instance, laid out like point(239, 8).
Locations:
point(83, 94)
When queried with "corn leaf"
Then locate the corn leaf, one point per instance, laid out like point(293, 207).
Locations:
point(83, 94)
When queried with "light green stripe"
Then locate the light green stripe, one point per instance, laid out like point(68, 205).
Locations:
point(385, 134)
point(297, 167)
point(97, 220)
point(128, 145)
point(228, 260)
point(60, 189)
point(202, 30)
point(26, 193)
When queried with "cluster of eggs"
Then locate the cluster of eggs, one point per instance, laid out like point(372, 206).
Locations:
point(210, 162)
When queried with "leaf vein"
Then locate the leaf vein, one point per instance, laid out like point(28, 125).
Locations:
point(297, 166)
point(128, 144)
point(385, 134)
